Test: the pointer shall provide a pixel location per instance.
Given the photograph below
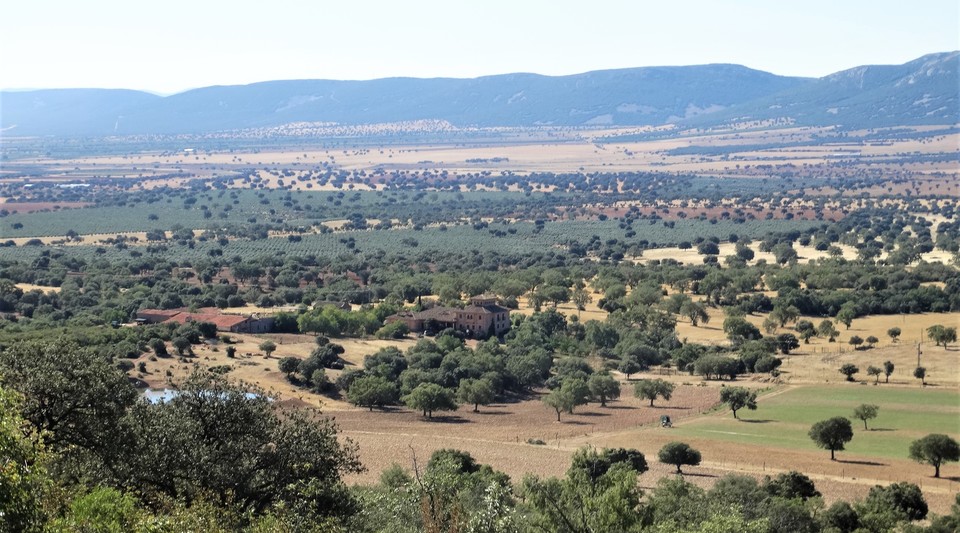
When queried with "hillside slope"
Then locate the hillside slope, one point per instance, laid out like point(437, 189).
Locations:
point(923, 91)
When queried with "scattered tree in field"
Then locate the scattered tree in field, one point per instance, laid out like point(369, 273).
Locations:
point(603, 387)
point(856, 341)
point(770, 325)
point(849, 369)
point(806, 330)
point(921, 374)
point(871, 340)
point(288, 365)
point(888, 367)
point(866, 412)
point(581, 298)
point(628, 367)
point(679, 454)
point(571, 393)
point(430, 397)
point(737, 398)
point(268, 347)
point(934, 450)
point(372, 391)
point(845, 316)
point(182, 345)
point(942, 335)
point(783, 315)
point(787, 342)
point(874, 371)
point(828, 330)
point(767, 364)
point(159, 347)
point(695, 311)
point(708, 248)
point(739, 330)
point(832, 434)
point(476, 391)
point(650, 389)
point(894, 334)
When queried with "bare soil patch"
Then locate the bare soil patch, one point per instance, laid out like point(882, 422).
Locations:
point(498, 434)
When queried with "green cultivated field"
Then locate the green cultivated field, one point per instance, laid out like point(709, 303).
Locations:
point(518, 237)
point(783, 420)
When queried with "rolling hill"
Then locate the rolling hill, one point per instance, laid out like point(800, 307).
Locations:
point(924, 91)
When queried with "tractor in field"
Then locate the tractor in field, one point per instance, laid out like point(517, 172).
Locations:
point(665, 421)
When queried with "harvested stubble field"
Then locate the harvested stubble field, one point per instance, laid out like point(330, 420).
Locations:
point(498, 434)
point(582, 149)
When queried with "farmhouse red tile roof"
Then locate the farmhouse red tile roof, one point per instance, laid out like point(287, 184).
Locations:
point(221, 321)
point(205, 314)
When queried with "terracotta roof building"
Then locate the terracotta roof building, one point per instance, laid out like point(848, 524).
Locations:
point(224, 322)
point(481, 319)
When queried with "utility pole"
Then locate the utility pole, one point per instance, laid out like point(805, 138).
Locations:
point(918, 347)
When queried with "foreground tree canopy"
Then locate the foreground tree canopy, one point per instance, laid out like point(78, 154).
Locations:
point(832, 434)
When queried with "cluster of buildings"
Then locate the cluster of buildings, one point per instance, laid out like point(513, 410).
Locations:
point(481, 319)
point(224, 322)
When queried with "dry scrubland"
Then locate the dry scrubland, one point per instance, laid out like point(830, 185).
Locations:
point(766, 441)
point(559, 152)
point(498, 434)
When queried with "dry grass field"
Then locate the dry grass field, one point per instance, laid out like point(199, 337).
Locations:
point(499, 433)
point(559, 152)
point(768, 441)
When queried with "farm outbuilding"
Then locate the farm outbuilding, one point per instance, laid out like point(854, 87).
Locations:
point(224, 322)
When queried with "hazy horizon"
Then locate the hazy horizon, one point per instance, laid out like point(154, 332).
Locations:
point(164, 93)
point(169, 48)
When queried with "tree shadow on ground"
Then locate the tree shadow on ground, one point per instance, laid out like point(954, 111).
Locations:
point(453, 419)
point(628, 407)
point(697, 474)
point(491, 413)
point(757, 420)
point(864, 463)
point(591, 413)
point(881, 429)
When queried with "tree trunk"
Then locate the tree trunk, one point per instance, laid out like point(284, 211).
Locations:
point(476, 408)
point(864, 424)
point(735, 414)
point(936, 470)
point(603, 402)
point(678, 470)
point(651, 402)
point(832, 458)
point(558, 415)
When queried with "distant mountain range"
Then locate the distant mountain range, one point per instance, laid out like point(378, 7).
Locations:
point(923, 91)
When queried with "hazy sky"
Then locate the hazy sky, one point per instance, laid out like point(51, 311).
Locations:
point(171, 45)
